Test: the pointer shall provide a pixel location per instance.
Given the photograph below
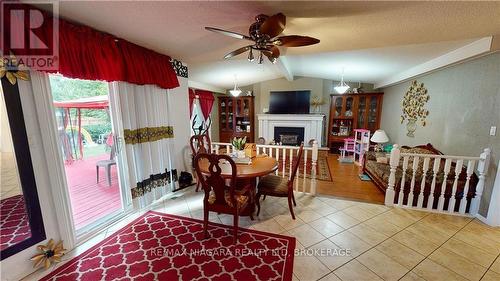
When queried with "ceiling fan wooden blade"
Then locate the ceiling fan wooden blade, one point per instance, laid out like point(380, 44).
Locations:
point(273, 25)
point(237, 52)
point(273, 52)
point(295, 41)
point(228, 33)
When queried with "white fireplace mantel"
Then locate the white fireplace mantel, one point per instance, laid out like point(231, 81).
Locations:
point(312, 124)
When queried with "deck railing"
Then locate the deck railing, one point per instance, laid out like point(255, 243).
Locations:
point(284, 153)
point(408, 187)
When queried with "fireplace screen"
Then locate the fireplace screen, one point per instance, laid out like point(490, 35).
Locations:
point(289, 139)
point(289, 135)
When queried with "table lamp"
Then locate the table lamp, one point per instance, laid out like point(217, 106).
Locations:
point(379, 137)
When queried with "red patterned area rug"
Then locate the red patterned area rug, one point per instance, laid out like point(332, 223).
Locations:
point(322, 169)
point(14, 224)
point(160, 246)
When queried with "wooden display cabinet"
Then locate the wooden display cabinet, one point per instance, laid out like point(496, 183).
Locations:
point(352, 111)
point(236, 118)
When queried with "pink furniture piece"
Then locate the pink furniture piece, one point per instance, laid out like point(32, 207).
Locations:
point(349, 148)
point(361, 144)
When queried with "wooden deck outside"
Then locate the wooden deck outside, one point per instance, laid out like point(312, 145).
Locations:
point(90, 200)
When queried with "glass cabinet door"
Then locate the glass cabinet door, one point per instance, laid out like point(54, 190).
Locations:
point(338, 106)
point(349, 104)
point(223, 114)
point(238, 108)
point(230, 112)
point(372, 113)
point(246, 107)
point(361, 113)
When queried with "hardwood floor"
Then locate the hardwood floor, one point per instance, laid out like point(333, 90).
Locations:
point(346, 183)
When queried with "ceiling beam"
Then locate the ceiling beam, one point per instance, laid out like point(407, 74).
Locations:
point(204, 86)
point(468, 51)
point(284, 67)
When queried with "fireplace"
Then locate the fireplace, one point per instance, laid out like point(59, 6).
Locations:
point(289, 135)
point(310, 126)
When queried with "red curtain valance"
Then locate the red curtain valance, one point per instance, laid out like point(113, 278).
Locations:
point(86, 53)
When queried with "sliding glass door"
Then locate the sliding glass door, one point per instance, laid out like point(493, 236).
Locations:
point(86, 130)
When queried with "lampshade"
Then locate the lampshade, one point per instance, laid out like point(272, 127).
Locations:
point(379, 137)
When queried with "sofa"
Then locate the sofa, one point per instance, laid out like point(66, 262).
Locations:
point(380, 172)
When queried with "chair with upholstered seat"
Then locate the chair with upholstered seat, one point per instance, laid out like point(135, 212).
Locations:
point(199, 144)
point(272, 185)
point(220, 193)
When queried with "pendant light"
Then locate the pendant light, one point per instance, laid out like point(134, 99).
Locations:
point(342, 87)
point(261, 58)
point(236, 91)
point(250, 56)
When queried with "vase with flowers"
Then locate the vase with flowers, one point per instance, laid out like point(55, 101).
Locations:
point(239, 146)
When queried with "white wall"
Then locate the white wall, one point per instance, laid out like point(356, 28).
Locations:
point(464, 103)
point(5, 138)
point(179, 116)
point(19, 265)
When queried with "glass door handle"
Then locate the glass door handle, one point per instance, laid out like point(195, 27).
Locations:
point(119, 144)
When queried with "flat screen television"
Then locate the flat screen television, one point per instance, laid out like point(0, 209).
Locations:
point(289, 102)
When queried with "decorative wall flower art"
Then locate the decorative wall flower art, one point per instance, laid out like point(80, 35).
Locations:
point(12, 70)
point(413, 107)
point(48, 254)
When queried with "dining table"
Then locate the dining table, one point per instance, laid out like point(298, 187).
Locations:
point(246, 174)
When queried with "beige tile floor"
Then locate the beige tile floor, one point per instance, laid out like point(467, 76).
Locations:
point(383, 243)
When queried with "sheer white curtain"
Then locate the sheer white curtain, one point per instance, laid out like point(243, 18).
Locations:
point(148, 141)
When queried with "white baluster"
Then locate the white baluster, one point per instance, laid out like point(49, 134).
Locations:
point(435, 170)
point(403, 181)
point(216, 149)
point(283, 164)
point(228, 149)
point(314, 159)
point(453, 200)
point(277, 159)
point(290, 164)
point(463, 201)
point(305, 171)
point(271, 152)
point(394, 162)
point(298, 172)
point(447, 166)
point(420, 201)
point(483, 170)
point(412, 184)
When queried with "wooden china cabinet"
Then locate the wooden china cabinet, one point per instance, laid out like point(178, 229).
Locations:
point(352, 111)
point(236, 118)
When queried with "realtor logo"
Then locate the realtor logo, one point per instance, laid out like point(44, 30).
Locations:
point(30, 33)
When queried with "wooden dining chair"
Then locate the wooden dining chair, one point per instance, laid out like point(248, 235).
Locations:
point(199, 144)
point(272, 185)
point(220, 193)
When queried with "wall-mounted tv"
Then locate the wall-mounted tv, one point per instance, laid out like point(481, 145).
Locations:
point(289, 102)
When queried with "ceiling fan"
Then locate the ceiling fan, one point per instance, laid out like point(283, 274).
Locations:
point(263, 32)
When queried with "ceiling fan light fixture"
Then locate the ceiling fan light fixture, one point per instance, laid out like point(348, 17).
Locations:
point(250, 56)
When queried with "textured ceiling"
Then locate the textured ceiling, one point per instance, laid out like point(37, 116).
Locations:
point(176, 29)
